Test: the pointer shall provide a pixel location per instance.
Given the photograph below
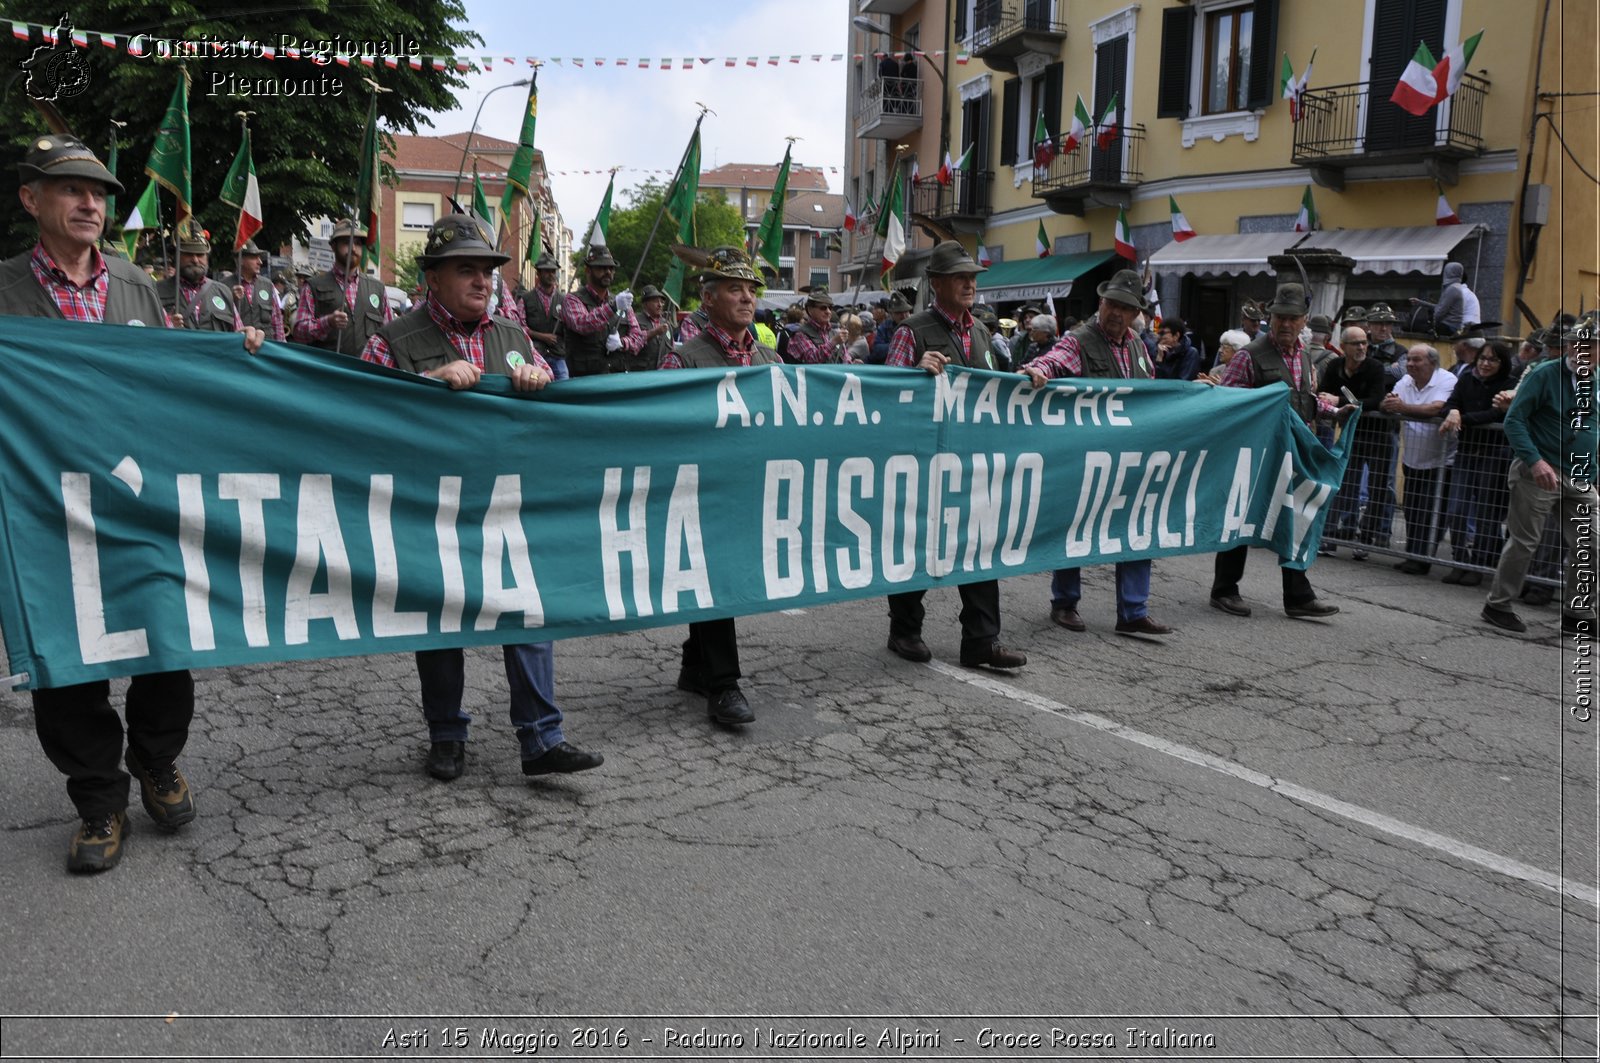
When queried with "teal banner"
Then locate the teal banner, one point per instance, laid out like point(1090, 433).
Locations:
point(169, 501)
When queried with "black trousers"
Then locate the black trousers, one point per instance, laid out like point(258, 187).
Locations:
point(711, 653)
point(1230, 570)
point(82, 734)
point(980, 614)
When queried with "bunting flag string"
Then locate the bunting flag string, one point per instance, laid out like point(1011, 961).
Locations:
point(143, 45)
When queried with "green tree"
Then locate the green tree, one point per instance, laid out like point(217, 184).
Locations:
point(306, 145)
point(717, 222)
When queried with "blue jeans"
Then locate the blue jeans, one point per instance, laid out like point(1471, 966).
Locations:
point(530, 673)
point(558, 368)
point(1133, 589)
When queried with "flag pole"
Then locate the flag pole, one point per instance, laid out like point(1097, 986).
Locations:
point(111, 218)
point(639, 267)
point(372, 120)
point(238, 252)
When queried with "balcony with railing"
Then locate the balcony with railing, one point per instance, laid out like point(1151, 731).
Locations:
point(1005, 30)
point(890, 108)
point(1355, 127)
point(886, 7)
point(963, 204)
point(1092, 176)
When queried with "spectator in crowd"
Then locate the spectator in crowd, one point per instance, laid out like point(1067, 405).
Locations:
point(815, 341)
point(1467, 346)
point(1025, 318)
point(1041, 337)
point(1175, 357)
point(1457, 306)
point(896, 310)
point(791, 321)
point(1228, 344)
point(1529, 352)
point(1372, 450)
point(1250, 315)
point(766, 327)
point(1478, 478)
point(1381, 345)
point(857, 349)
point(1320, 327)
point(1424, 451)
point(999, 346)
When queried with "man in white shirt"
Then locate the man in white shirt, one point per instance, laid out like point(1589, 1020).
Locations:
point(1419, 397)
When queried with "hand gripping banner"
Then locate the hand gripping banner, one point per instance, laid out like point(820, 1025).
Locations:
point(169, 501)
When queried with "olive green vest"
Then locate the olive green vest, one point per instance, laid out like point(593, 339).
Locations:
point(256, 310)
point(1270, 369)
point(1096, 359)
point(366, 317)
point(587, 355)
point(211, 311)
point(649, 356)
point(933, 333)
point(417, 344)
point(703, 352)
point(130, 294)
point(540, 321)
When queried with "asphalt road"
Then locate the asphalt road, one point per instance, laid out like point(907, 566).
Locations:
point(1371, 838)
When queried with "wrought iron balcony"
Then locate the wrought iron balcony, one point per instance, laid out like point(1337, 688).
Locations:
point(890, 108)
point(1091, 176)
point(1355, 127)
point(963, 204)
point(1005, 30)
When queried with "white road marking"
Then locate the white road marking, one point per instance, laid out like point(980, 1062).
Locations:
point(1461, 850)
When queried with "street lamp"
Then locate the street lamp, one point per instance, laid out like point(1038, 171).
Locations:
point(466, 148)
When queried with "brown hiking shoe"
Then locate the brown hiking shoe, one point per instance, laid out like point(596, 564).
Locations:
point(165, 792)
point(97, 846)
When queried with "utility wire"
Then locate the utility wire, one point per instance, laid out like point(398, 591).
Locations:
point(1556, 132)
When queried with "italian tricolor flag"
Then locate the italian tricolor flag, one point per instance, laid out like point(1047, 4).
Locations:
point(984, 258)
point(1107, 131)
point(1426, 82)
point(143, 217)
point(1307, 220)
point(1181, 229)
point(1080, 127)
point(1123, 239)
point(948, 171)
point(1442, 214)
point(1041, 242)
point(892, 227)
point(1044, 147)
point(1292, 88)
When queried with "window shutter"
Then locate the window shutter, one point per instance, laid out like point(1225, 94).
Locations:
point(1263, 54)
point(1052, 98)
point(961, 19)
point(1177, 52)
point(1010, 101)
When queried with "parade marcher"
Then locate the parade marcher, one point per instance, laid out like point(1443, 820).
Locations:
point(597, 327)
point(1104, 347)
point(193, 300)
point(1042, 336)
point(1321, 351)
point(816, 341)
point(1552, 430)
point(655, 330)
point(1274, 356)
point(283, 288)
point(942, 334)
point(340, 309)
point(452, 337)
point(64, 276)
point(255, 296)
point(1250, 315)
point(896, 310)
point(541, 311)
point(729, 286)
point(1419, 397)
point(1381, 346)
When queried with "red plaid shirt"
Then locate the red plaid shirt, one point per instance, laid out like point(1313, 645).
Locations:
point(86, 302)
point(1066, 357)
point(738, 347)
point(465, 336)
point(308, 327)
point(903, 346)
point(1240, 372)
point(803, 348)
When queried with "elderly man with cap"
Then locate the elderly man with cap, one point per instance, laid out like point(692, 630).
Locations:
point(600, 328)
point(816, 341)
point(64, 276)
point(452, 337)
point(192, 298)
point(254, 295)
point(897, 309)
point(655, 331)
point(1106, 346)
point(1250, 315)
point(942, 334)
point(342, 308)
point(1275, 356)
point(729, 286)
point(541, 309)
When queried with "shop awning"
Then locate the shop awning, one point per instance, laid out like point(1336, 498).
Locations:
point(1223, 254)
point(1410, 249)
point(1035, 278)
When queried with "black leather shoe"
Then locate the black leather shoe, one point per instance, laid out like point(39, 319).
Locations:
point(1412, 567)
point(689, 682)
point(911, 648)
point(1067, 617)
point(447, 760)
point(1142, 626)
point(562, 759)
point(993, 655)
point(1231, 604)
point(1455, 575)
point(729, 707)
point(1504, 619)
point(1312, 610)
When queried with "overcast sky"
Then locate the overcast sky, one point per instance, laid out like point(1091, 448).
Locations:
point(594, 118)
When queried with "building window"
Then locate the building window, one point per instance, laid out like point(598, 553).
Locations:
point(787, 248)
point(819, 278)
point(1227, 61)
point(786, 278)
point(416, 215)
point(819, 245)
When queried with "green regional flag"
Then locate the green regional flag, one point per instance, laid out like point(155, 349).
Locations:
point(602, 217)
point(169, 155)
point(369, 189)
point(480, 201)
point(519, 177)
point(770, 234)
point(680, 209)
point(142, 218)
point(535, 241)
